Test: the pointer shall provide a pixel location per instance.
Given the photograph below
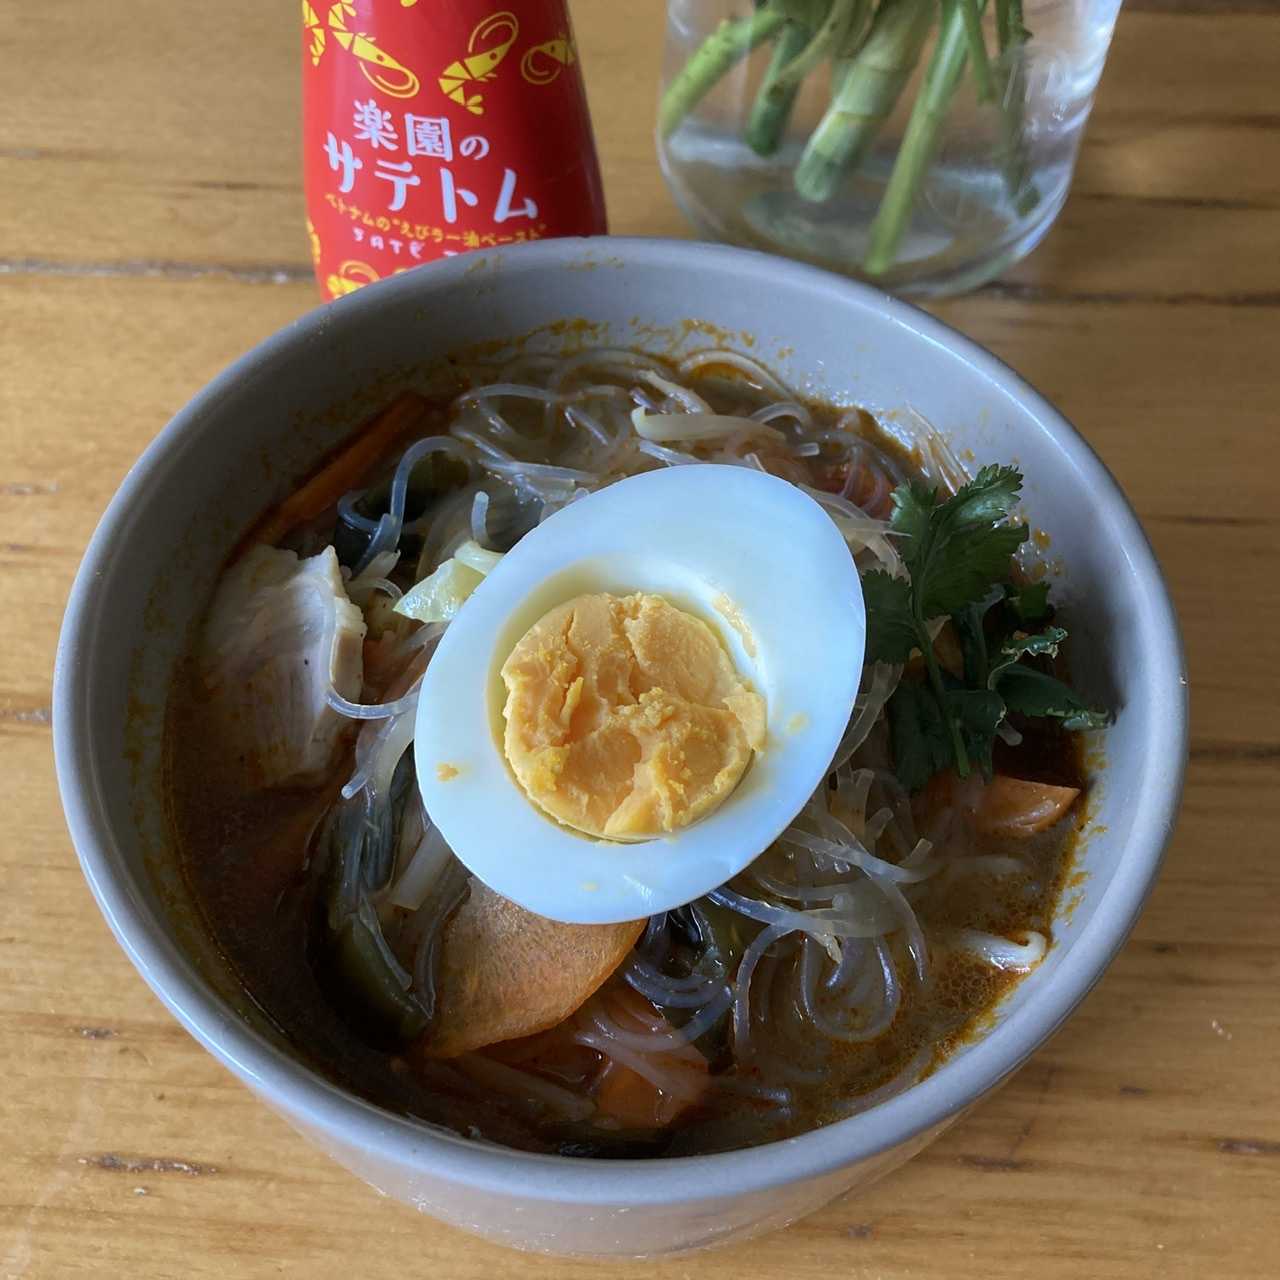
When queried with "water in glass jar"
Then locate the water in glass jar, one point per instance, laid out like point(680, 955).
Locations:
point(967, 222)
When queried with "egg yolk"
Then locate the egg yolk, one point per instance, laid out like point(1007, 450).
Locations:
point(625, 717)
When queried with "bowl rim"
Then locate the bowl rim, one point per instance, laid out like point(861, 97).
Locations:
point(321, 1106)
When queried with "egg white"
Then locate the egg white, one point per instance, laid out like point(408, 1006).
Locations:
point(698, 536)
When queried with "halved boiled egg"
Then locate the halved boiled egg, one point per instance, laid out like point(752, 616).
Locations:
point(643, 693)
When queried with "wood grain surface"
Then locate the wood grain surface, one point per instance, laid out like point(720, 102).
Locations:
point(151, 230)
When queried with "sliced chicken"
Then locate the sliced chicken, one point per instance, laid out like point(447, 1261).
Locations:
point(280, 632)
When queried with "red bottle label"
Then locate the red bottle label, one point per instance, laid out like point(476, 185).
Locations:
point(435, 126)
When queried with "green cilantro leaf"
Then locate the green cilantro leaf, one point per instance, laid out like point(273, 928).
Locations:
point(891, 631)
point(919, 735)
point(958, 551)
point(986, 499)
point(1019, 646)
point(978, 713)
point(1029, 604)
point(1032, 693)
point(959, 555)
point(913, 508)
point(970, 625)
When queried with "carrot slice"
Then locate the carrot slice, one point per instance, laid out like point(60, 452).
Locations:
point(629, 1099)
point(1015, 807)
point(345, 469)
point(624, 1097)
point(506, 972)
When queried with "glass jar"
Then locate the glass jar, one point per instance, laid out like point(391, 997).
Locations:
point(924, 145)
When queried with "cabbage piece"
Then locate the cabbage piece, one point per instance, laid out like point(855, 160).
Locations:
point(476, 557)
point(281, 631)
point(698, 426)
point(439, 596)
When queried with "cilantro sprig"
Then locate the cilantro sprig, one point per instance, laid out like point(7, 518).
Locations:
point(959, 555)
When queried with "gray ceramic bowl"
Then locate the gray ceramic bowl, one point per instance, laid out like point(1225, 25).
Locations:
point(263, 422)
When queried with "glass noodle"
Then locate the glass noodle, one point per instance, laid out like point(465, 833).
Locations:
point(834, 945)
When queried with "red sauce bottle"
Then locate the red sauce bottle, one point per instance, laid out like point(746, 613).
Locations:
point(431, 127)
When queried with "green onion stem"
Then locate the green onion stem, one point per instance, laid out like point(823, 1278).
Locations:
point(854, 38)
point(793, 60)
point(726, 46)
point(1008, 19)
point(868, 91)
point(971, 11)
point(940, 692)
point(831, 35)
point(1011, 38)
point(919, 141)
point(856, 34)
point(775, 99)
point(976, 616)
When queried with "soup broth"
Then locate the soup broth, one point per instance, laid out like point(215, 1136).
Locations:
point(841, 967)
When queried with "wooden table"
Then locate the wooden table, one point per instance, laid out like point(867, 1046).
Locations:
point(151, 230)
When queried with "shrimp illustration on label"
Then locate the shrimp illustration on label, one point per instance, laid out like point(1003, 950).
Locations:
point(542, 63)
point(350, 276)
point(311, 24)
point(481, 64)
point(314, 240)
point(377, 66)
